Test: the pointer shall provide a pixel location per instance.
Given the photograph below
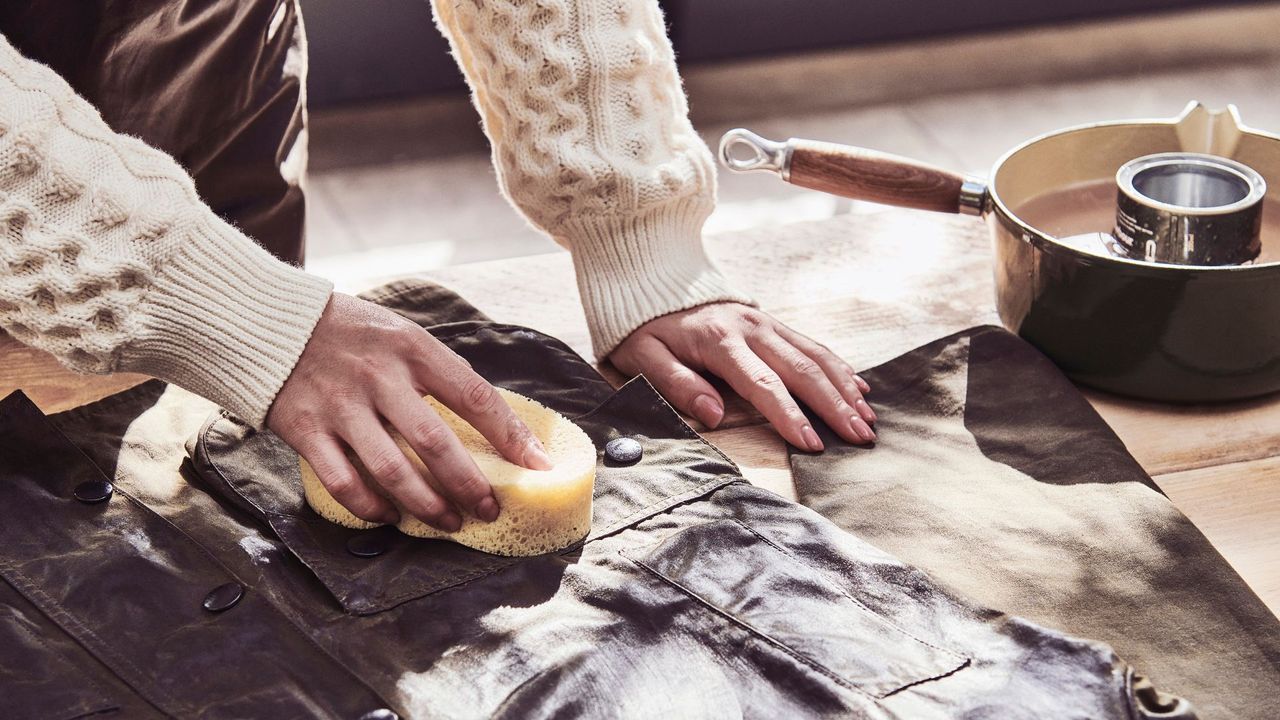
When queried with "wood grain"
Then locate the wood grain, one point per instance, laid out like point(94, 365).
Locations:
point(1238, 507)
point(1171, 438)
point(863, 174)
point(49, 385)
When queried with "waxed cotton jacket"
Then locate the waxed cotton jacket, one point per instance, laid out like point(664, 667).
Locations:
point(203, 586)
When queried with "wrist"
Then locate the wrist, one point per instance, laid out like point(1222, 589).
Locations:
point(632, 269)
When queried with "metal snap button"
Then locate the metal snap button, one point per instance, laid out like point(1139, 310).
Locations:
point(367, 544)
point(93, 491)
point(223, 597)
point(623, 450)
point(380, 714)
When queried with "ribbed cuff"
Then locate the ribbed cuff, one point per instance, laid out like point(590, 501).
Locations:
point(226, 320)
point(633, 269)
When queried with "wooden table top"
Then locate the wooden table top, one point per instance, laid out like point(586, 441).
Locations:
point(871, 286)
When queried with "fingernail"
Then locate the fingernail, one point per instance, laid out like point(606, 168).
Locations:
point(487, 509)
point(862, 430)
point(451, 522)
point(706, 409)
point(865, 410)
point(862, 384)
point(535, 457)
point(811, 439)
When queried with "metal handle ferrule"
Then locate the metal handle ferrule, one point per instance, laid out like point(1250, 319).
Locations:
point(973, 197)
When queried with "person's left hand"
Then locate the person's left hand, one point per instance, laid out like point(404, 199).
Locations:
point(763, 360)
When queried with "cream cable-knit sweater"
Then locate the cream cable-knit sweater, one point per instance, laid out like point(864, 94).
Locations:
point(110, 261)
point(592, 142)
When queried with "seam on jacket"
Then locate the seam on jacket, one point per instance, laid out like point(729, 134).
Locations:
point(964, 660)
point(74, 629)
point(824, 575)
point(98, 689)
point(670, 501)
point(662, 404)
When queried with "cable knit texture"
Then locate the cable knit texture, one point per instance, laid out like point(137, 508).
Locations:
point(592, 143)
point(110, 261)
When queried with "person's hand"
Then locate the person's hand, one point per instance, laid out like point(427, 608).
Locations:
point(365, 365)
point(763, 360)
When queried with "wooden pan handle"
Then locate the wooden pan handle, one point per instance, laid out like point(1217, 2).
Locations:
point(875, 176)
point(854, 173)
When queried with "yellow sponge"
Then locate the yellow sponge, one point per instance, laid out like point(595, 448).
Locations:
point(542, 510)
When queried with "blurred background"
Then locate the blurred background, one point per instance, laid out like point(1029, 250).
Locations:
point(400, 176)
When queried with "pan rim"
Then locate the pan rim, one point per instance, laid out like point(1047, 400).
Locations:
point(1048, 243)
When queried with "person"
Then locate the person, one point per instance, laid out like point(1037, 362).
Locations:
point(119, 256)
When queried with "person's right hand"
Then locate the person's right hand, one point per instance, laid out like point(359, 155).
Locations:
point(365, 365)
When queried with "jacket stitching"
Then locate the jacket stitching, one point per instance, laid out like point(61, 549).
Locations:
point(964, 660)
point(751, 629)
point(834, 586)
point(102, 696)
point(72, 627)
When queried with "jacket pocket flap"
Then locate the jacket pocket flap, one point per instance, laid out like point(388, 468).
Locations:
point(749, 580)
point(259, 473)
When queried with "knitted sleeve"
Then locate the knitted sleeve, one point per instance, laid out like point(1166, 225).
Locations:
point(592, 143)
point(110, 261)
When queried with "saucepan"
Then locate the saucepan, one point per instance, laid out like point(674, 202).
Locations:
point(1143, 257)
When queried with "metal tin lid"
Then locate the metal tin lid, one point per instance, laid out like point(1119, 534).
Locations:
point(1189, 209)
